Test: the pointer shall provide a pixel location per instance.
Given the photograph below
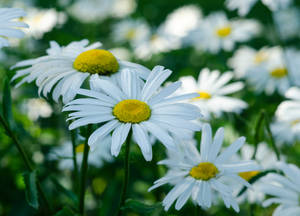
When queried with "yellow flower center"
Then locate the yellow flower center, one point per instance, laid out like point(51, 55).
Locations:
point(204, 171)
point(79, 148)
point(279, 72)
point(248, 175)
point(293, 123)
point(130, 34)
point(203, 96)
point(260, 57)
point(132, 111)
point(96, 61)
point(224, 31)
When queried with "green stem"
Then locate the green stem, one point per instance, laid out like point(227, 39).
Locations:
point(267, 122)
point(84, 168)
point(73, 139)
point(126, 172)
point(257, 132)
point(26, 161)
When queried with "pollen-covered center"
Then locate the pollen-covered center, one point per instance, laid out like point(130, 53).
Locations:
point(203, 95)
point(224, 31)
point(131, 34)
point(279, 73)
point(204, 171)
point(260, 57)
point(132, 111)
point(96, 61)
point(248, 175)
point(79, 148)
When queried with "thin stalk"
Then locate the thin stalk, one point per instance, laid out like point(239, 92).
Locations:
point(73, 139)
point(267, 122)
point(26, 161)
point(84, 168)
point(257, 132)
point(126, 172)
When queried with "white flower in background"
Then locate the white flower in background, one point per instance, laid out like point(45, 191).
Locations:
point(38, 107)
point(97, 10)
point(168, 36)
point(182, 20)
point(156, 42)
point(269, 69)
point(266, 158)
point(135, 107)
point(244, 6)
point(64, 154)
point(216, 32)
point(286, 128)
point(246, 58)
point(121, 53)
point(199, 175)
point(288, 23)
point(132, 31)
point(284, 189)
point(9, 27)
point(42, 21)
point(213, 88)
point(64, 69)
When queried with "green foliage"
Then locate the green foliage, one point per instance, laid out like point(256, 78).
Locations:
point(31, 191)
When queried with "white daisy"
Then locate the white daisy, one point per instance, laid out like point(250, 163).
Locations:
point(131, 30)
point(244, 6)
point(9, 27)
point(216, 32)
point(213, 88)
point(199, 176)
point(286, 128)
point(268, 69)
point(246, 58)
point(284, 189)
point(134, 107)
point(42, 21)
point(267, 159)
point(64, 69)
point(64, 154)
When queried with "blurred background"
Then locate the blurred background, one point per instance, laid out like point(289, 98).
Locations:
point(146, 32)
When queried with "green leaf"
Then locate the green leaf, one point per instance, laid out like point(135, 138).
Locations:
point(65, 191)
point(255, 178)
point(140, 207)
point(6, 102)
point(31, 192)
point(65, 212)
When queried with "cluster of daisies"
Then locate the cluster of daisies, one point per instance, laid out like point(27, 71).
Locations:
point(120, 98)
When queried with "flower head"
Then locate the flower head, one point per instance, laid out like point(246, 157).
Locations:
point(284, 190)
point(199, 175)
point(216, 32)
point(64, 69)
point(213, 88)
point(8, 25)
point(134, 106)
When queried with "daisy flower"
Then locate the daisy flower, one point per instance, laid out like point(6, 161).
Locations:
point(132, 31)
point(64, 69)
point(64, 154)
point(267, 159)
point(216, 32)
point(269, 69)
point(135, 107)
point(286, 128)
point(199, 175)
point(245, 6)
point(42, 21)
point(213, 88)
point(284, 189)
point(9, 27)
